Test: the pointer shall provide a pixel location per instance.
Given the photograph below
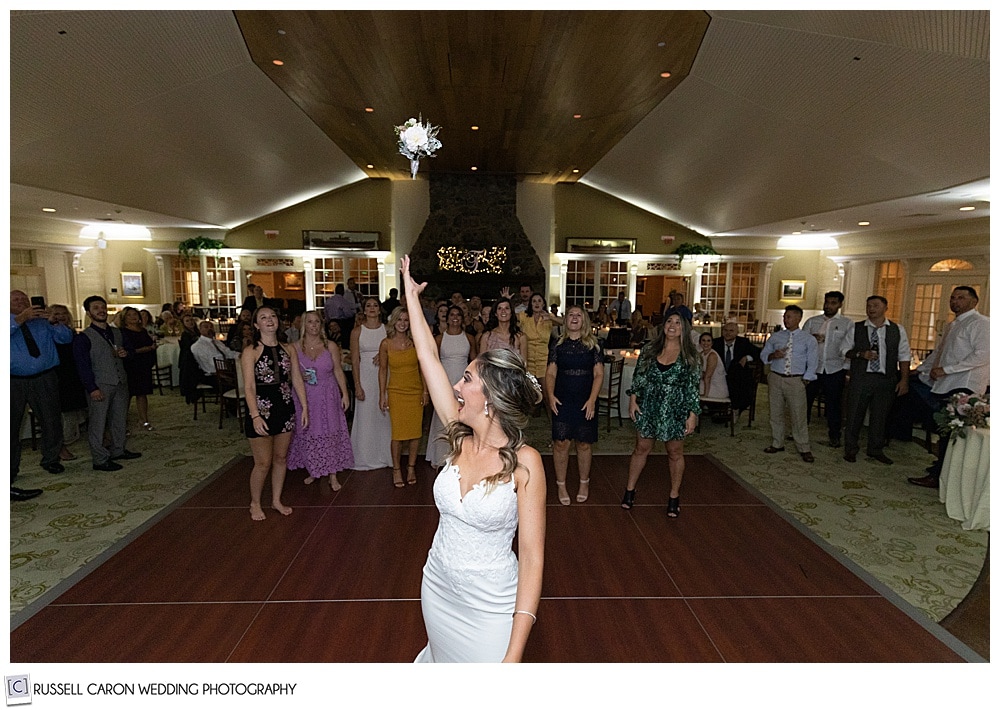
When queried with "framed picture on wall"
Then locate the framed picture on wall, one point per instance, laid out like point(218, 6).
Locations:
point(293, 282)
point(132, 283)
point(793, 290)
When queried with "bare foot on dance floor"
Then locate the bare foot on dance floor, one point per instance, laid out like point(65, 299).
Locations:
point(335, 484)
point(309, 479)
point(256, 513)
point(281, 508)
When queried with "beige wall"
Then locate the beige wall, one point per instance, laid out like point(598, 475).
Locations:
point(365, 206)
point(581, 212)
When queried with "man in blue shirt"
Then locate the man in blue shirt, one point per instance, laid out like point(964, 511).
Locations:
point(792, 354)
point(33, 380)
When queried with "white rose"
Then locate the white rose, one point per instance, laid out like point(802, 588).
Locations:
point(415, 137)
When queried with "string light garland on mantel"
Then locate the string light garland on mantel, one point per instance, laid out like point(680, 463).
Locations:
point(472, 261)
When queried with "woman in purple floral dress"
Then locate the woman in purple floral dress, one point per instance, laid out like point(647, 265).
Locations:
point(325, 447)
point(270, 372)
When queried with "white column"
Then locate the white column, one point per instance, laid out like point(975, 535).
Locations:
point(307, 267)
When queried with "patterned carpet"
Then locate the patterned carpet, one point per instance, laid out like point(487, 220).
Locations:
point(899, 533)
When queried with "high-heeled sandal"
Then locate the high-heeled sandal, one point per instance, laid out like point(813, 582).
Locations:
point(397, 478)
point(582, 497)
point(674, 507)
point(628, 500)
point(147, 426)
point(561, 492)
point(411, 475)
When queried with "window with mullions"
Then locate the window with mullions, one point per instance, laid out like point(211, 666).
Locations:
point(730, 287)
point(614, 278)
point(580, 285)
point(889, 283)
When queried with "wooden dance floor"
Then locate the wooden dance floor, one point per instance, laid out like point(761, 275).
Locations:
point(731, 580)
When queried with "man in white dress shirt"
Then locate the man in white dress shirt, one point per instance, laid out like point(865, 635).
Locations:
point(792, 356)
point(879, 353)
point(829, 329)
point(959, 363)
point(206, 349)
point(621, 309)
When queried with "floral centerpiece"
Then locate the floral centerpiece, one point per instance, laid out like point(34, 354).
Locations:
point(962, 411)
point(417, 140)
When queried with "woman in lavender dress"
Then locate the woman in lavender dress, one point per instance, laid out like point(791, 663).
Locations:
point(325, 447)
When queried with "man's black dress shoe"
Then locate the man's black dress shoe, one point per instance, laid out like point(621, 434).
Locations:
point(926, 481)
point(773, 449)
point(882, 458)
point(54, 467)
point(108, 466)
point(834, 443)
point(20, 494)
point(850, 456)
point(126, 454)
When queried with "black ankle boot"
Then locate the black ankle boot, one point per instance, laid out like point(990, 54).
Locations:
point(629, 499)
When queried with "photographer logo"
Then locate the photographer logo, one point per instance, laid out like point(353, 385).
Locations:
point(18, 689)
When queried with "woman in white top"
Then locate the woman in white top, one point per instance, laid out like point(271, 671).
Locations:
point(713, 374)
point(371, 430)
point(456, 348)
point(478, 599)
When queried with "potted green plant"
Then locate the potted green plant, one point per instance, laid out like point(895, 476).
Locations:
point(688, 248)
point(196, 245)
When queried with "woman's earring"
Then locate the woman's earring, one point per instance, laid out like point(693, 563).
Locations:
point(486, 409)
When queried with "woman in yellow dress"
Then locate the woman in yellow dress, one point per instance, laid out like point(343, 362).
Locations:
point(402, 393)
point(536, 324)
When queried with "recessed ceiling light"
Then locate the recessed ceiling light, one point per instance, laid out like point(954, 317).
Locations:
point(281, 32)
point(475, 128)
point(577, 115)
point(665, 74)
point(967, 208)
point(369, 109)
point(370, 166)
point(48, 209)
point(863, 224)
point(796, 232)
point(661, 44)
point(277, 62)
point(576, 170)
point(475, 168)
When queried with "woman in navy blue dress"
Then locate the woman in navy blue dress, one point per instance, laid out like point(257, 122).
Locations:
point(573, 379)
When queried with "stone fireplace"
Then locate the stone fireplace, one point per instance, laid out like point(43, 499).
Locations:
point(473, 214)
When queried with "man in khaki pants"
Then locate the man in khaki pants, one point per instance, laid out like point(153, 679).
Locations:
point(792, 355)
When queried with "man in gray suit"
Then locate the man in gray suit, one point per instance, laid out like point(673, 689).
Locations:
point(98, 352)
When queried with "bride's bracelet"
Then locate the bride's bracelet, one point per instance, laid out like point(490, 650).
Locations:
point(534, 619)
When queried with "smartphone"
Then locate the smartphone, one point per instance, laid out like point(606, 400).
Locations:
point(38, 301)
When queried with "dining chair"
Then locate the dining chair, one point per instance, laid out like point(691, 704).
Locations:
point(163, 374)
point(228, 389)
point(609, 400)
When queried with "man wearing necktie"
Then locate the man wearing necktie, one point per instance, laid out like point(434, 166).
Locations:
point(879, 353)
point(738, 356)
point(792, 355)
point(829, 329)
point(206, 349)
point(959, 363)
point(33, 381)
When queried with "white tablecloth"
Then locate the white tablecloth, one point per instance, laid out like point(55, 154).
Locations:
point(965, 479)
point(631, 356)
point(169, 353)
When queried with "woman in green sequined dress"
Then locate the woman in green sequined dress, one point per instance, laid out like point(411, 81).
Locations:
point(664, 404)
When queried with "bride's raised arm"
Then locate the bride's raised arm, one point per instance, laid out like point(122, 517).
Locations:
point(435, 377)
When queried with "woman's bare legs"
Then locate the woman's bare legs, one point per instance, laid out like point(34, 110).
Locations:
point(279, 466)
point(675, 462)
point(584, 455)
point(411, 464)
point(261, 448)
point(396, 449)
point(638, 461)
point(142, 406)
point(560, 461)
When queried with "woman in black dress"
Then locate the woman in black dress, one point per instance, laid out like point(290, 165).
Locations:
point(573, 379)
point(72, 395)
point(270, 372)
point(234, 338)
point(138, 363)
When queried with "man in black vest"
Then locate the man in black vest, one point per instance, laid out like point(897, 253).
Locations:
point(98, 352)
point(879, 353)
point(739, 357)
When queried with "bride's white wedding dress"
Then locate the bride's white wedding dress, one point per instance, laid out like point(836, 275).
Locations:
point(470, 579)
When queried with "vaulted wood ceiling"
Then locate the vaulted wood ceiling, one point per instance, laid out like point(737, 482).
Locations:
point(521, 77)
point(770, 122)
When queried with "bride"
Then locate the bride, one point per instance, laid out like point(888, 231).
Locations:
point(478, 599)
